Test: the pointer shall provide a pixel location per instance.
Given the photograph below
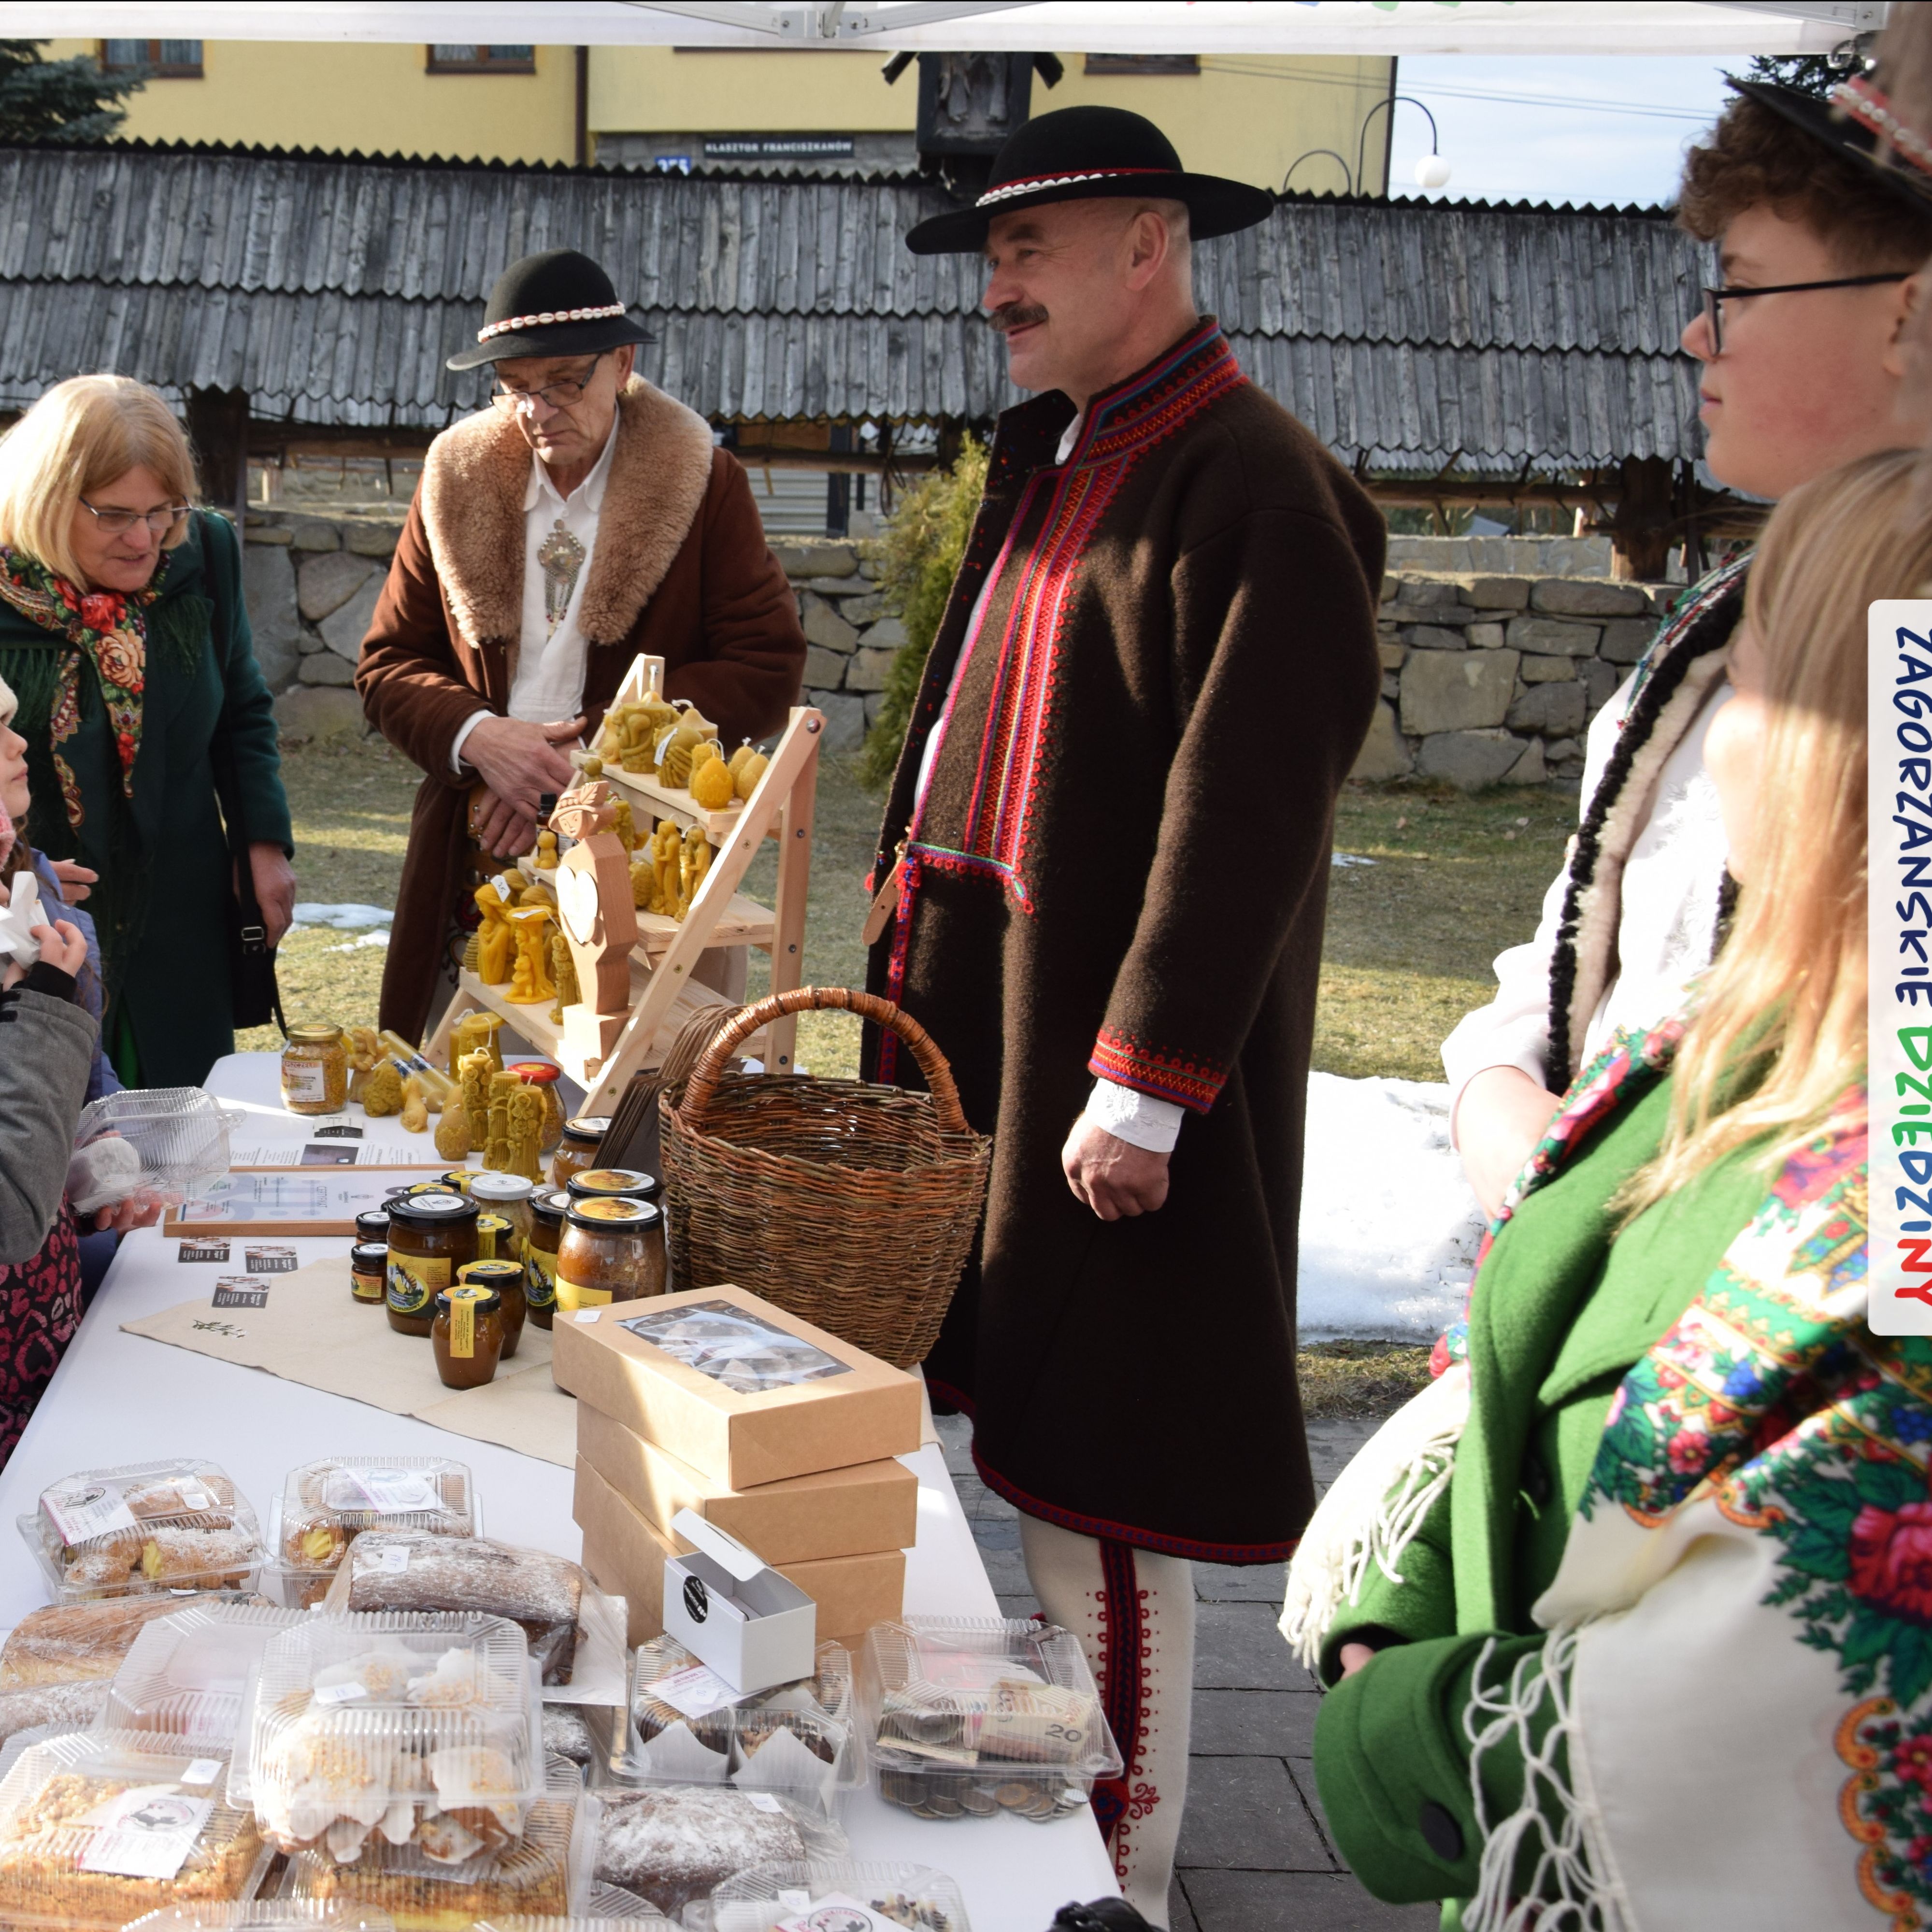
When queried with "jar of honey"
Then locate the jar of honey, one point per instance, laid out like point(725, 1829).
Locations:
point(495, 1237)
point(467, 1333)
point(542, 1075)
point(506, 1278)
point(547, 1206)
point(612, 1250)
point(595, 1183)
point(315, 1070)
point(506, 1196)
point(432, 1239)
point(577, 1149)
point(369, 1271)
point(373, 1225)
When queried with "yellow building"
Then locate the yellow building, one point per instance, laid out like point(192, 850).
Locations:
point(1256, 118)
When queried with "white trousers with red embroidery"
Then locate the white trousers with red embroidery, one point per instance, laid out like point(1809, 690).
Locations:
point(1133, 1611)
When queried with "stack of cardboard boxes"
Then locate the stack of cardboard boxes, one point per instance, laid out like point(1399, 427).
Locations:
point(715, 1401)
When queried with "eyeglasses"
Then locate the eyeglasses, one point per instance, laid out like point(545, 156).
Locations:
point(119, 523)
point(562, 395)
point(1715, 298)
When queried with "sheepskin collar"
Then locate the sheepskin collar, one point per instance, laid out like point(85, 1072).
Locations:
point(474, 480)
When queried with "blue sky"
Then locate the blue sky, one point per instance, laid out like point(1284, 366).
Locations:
point(1620, 141)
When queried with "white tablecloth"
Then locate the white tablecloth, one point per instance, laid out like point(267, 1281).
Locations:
point(118, 1398)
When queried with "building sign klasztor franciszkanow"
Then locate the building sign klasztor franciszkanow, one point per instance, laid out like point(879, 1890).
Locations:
point(1901, 929)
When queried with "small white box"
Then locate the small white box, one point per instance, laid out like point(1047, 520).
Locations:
point(728, 1606)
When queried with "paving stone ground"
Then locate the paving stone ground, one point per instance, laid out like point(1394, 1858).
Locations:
point(1254, 1855)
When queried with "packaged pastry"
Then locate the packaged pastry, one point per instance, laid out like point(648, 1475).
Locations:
point(688, 1725)
point(143, 1527)
point(67, 1642)
point(265, 1915)
point(327, 1503)
point(184, 1676)
point(418, 1731)
point(389, 1570)
point(972, 1716)
point(422, 1890)
point(671, 1844)
point(566, 1734)
point(71, 1707)
point(97, 1829)
point(769, 1896)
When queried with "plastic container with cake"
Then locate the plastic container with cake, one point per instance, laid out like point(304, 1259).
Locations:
point(326, 1504)
point(99, 1828)
point(185, 1676)
point(423, 1886)
point(765, 1897)
point(70, 1643)
point(421, 1732)
point(971, 1717)
point(800, 1741)
point(265, 1915)
point(144, 1529)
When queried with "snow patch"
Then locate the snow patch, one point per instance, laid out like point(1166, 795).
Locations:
point(343, 918)
point(1389, 1227)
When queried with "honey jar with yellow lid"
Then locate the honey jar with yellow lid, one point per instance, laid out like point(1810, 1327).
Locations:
point(466, 1334)
point(506, 1278)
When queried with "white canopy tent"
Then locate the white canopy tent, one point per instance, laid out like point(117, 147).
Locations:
point(1716, 27)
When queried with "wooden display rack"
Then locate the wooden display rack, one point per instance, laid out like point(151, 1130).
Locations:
point(663, 996)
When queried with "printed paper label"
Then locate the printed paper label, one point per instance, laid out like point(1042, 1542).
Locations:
point(540, 1277)
point(388, 1562)
point(347, 1693)
point(696, 1691)
point(238, 1291)
point(381, 1492)
point(763, 1801)
point(203, 1251)
point(97, 1510)
point(145, 1833)
point(835, 1912)
point(415, 1283)
point(570, 1296)
point(305, 1081)
point(270, 1261)
point(203, 1770)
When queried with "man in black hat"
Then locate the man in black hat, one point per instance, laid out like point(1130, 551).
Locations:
point(585, 518)
point(1102, 875)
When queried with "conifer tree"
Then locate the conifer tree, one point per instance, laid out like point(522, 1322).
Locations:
point(72, 100)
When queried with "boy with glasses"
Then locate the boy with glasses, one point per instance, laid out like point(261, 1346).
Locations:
point(1800, 336)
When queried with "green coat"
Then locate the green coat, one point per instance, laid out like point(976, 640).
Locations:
point(1561, 1314)
point(162, 903)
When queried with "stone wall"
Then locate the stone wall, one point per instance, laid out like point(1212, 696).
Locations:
point(1493, 679)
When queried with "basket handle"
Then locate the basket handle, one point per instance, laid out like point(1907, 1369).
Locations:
point(706, 1075)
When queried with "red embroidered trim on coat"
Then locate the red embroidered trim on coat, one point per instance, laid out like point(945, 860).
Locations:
point(1127, 1063)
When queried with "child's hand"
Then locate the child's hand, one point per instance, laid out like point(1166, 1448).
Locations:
point(142, 1209)
point(62, 946)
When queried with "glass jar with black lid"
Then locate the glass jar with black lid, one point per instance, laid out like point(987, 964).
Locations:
point(612, 1249)
point(577, 1149)
point(432, 1239)
point(547, 1206)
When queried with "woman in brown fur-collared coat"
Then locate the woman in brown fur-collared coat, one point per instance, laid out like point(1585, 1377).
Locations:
point(680, 570)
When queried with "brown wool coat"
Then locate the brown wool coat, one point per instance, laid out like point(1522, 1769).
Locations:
point(1121, 868)
point(681, 571)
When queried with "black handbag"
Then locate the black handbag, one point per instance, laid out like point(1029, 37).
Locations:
point(256, 997)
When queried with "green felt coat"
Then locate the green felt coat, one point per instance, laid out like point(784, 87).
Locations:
point(161, 906)
point(1561, 1315)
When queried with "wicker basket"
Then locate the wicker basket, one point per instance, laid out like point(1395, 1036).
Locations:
point(851, 1204)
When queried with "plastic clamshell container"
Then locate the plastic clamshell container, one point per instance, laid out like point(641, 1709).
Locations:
point(326, 1504)
point(185, 1676)
point(603, 1908)
point(264, 1914)
point(414, 1729)
point(180, 1134)
point(968, 1716)
point(143, 1528)
point(157, 1833)
point(689, 1726)
point(547, 1873)
point(765, 1896)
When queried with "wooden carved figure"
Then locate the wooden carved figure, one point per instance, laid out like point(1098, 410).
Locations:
point(599, 920)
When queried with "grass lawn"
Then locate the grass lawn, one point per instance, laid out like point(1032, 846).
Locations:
point(1410, 938)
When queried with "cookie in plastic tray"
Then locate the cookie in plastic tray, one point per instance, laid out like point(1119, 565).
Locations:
point(969, 1717)
point(767, 1897)
point(671, 1844)
point(326, 1504)
point(142, 1528)
point(185, 1675)
point(423, 1889)
point(97, 1829)
point(265, 1915)
point(420, 1731)
point(688, 1726)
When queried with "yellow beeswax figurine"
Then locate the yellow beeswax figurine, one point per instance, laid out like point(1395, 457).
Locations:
point(524, 1154)
point(563, 972)
point(674, 762)
point(693, 862)
point(364, 1049)
point(624, 827)
point(416, 1107)
point(383, 1094)
point(666, 844)
point(452, 1135)
point(473, 1073)
point(644, 885)
point(503, 1088)
point(529, 979)
point(711, 784)
point(495, 941)
point(747, 774)
point(547, 855)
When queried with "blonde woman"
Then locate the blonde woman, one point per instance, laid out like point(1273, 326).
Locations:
point(1629, 1622)
point(123, 632)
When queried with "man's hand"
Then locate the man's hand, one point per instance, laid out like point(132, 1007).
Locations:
point(75, 879)
point(274, 882)
point(62, 946)
point(1502, 1114)
point(1113, 1176)
point(520, 762)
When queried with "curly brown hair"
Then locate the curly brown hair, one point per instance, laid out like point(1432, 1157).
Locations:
point(1754, 156)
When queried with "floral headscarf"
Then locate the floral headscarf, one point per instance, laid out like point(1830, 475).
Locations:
point(105, 627)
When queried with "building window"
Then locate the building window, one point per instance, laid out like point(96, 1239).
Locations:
point(1143, 64)
point(452, 57)
point(158, 60)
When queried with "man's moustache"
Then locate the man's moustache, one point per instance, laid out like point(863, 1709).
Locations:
point(1015, 317)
